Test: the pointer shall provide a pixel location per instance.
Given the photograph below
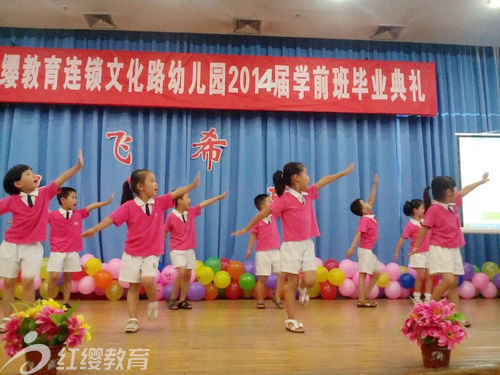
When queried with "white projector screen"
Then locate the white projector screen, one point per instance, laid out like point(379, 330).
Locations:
point(479, 153)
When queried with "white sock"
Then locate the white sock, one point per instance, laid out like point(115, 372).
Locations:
point(416, 295)
point(427, 297)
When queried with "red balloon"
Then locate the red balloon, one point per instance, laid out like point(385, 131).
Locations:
point(266, 292)
point(327, 290)
point(103, 279)
point(77, 276)
point(435, 281)
point(224, 262)
point(331, 264)
point(233, 291)
point(235, 269)
point(211, 292)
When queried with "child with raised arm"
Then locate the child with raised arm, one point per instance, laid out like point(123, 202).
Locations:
point(143, 212)
point(181, 225)
point(366, 234)
point(294, 206)
point(267, 255)
point(65, 240)
point(22, 248)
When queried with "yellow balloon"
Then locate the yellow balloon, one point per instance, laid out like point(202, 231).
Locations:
point(199, 264)
point(403, 269)
point(44, 290)
point(383, 280)
point(336, 276)
point(18, 292)
point(93, 266)
point(222, 279)
point(314, 290)
point(44, 274)
point(321, 274)
point(115, 291)
point(205, 275)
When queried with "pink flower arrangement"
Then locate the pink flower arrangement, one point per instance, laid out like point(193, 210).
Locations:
point(49, 323)
point(435, 322)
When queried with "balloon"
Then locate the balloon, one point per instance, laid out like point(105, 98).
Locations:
point(249, 267)
point(124, 284)
point(480, 280)
point(60, 280)
point(271, 281)
point(233, 291)
point(347, 288)
point(375, 292)
point(93, 266)
point(247, 281)
point(199, 264)
point(321, 274)
point(319, 262)
point(412, 272)
point(103, 279)
point(159, 292)
point(74, 286)
point(403, 269)
point(330, 264)
point(496, 280)
point(168, 275)
point(467, 290)
point(314, 291)
point(405, 293)
point(99, 292)
point(490, 291)
point(18, 291)
point(114, 266)
point(248, 293)
point(393, 290)
point(348, 267)
point(37, 281)
point(214, 263)
point(235, 269)
point(77, 276)
point(393, 270)
point(44, 274)
point(205, 275)
point(196, 290)
point(268, 293)
point(327, 290)
point(336, 276)
point(490, 269)
point(211, 292)
point(468, 271)
point(86, 285)
point(222, 279)
point(224, 262)
point(44, 290)
point(114, 292)
point(406, 280)
point(84, 258)
point(167, 291)
point(383, 280)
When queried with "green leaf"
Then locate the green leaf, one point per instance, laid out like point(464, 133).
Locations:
point(27, 325)
point(457, 317)
point(428, 340)
point(58, 319)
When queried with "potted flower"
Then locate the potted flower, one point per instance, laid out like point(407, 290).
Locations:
point(436, 327)
point(46, 327)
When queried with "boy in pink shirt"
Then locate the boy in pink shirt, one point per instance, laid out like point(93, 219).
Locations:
point(267, 256)
point(22, 248)
point(366, 234)
point(65, 240)
point(181, 225)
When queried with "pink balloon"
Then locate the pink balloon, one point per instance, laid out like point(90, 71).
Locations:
point(412, 272)
point(356, 266)
point(405, 293)
point(159, 292)
point(393, 270)
point(393, 290)
point(86, 285)
point(347, 288)
point(490, 291)
point(168, 275)
point(354, 294)
point(114, 266)
point(158, 277)
point(84, 258)
point(380, 266)
point(319, 262)
point(193, 276)
point(37, 281)
point(374, 292)
point(355, 279)
point(105, 267)
point(348, 267)
point(74, 286)
point(1, 283)
point(124, 284)
point(466, 290)
point(480, 280)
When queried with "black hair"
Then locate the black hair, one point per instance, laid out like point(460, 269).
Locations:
point(65, 192)
point(259, 200)
point(439, 185)
point(13, 175)
point(357, 207)
point(130, 186)
point(409, 206)
point(283, 178)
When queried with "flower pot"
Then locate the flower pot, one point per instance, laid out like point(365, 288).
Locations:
point(50, 368)
point(435, 355)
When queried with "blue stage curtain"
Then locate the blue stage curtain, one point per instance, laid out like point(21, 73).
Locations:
point(405, 151)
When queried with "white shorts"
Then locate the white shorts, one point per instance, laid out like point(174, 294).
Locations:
point(183, 259)
point(64, 262)
point(419, 260)
point(134, 268)
point(267, 262)
point(27, 256)
point(367, 261)
point(297, 256)
point(445, 260)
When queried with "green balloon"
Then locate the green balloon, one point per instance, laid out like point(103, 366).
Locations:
point(476, 269)
point(490, 269)
point(247, 281)
point(214, 263)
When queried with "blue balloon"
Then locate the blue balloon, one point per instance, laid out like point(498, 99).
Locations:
point(461, 279)
point(407, 280)
point(496, 280)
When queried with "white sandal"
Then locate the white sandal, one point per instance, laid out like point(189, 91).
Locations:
point(132, 325)
point(303, 296)
point(3, 325)
point(297, 327)
point(152, 310)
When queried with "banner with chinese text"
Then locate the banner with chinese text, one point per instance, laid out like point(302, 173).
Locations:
point(211, 81)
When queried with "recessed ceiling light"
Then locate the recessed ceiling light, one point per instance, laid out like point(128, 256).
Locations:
point(494, 3)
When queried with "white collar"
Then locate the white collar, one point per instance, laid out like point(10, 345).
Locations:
point(141, 203)
point(178, 214)
point(370, 217)
point(296, 194)
point(445, 205)
point(267, 219)
point(34, 193)
point(416, 222)
point(63, 212)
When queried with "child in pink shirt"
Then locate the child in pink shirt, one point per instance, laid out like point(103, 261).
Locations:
point(22, 248)
point(419, 261)
point(181, 225)
point(366, 234)
point(443, 220)
point(65, 240)
point(294, 206)
point(143, 212)
point(267, 256)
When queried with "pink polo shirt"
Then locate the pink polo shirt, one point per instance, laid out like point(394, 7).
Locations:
point(411, 231)
point(445, 225)
point(65, 233)
point(145, 233)
point(368, 227)
point(182, 234)
point(298, 219)
point(29, 224)
point(268, 237)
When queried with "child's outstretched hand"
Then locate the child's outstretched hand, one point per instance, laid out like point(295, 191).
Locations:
point(80, 159)
point(375, 179)
point(239, 232)
point(350, 252)
point(110, 199)
point(224, 195)
point(196, 180)
point(413, 251)
point(247, 255)
point(485, 178)
point(89, 233)
point(349, 169)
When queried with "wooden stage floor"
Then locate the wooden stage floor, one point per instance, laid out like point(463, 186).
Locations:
point(232, 337)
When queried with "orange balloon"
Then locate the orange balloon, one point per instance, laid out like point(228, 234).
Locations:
point(103, 279)
point(235, 269)
point(211, 292)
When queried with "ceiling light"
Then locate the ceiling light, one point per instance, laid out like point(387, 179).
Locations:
point(494, 3)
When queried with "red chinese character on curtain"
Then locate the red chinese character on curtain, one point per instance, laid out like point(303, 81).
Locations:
point(272, 192)
point(121, 144)
point(209, 148)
